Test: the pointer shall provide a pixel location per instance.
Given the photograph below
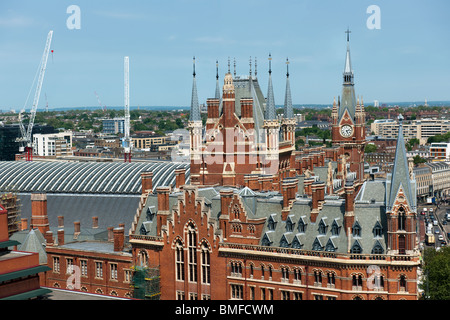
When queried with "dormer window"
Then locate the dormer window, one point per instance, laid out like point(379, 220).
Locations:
point(301, 226)
point(356, 230)
point(289, 225)
point(322, 227)
point(335, 228)
point(271, 224)
point(356, 248)
point(377, 230)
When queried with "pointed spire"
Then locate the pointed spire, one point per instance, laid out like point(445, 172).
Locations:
point(270, 113)
point(348, 73)
point(400, 177)
point(250, 63)
point(195, 107)
point(217, 94)
point(256, 68)
point(228, 64)
point(288, 109)
point(235, 67)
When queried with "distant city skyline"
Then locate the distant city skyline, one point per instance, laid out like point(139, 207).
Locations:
point(405, 60)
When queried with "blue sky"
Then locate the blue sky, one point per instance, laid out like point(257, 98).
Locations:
point(408, 59)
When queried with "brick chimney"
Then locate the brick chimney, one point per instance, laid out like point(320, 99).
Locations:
point(39, 217)
point(226, 196)
point(77, 227)
point(147, 182)
point(289, 188)
point(163, 207)
point(349, 216)
point(180, 178)
point(110, 234)
point(49, 238)
point(60, 221)
point(119, 239)
point(60, 237)
point(24, 224)
point(4, 233)
point(94, 222)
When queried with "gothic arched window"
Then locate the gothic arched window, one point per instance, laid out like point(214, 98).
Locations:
point(401, 219)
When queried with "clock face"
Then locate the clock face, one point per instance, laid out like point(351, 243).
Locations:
point(346, 131)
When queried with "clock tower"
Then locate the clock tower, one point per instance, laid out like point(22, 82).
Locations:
point(348, 123)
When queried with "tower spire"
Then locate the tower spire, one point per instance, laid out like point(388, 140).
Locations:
point(217, 94)
point(270, 113)
point(195, 107)
point(288, 109)
point(400, 174)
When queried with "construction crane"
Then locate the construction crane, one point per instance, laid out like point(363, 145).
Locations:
point(99, 102)
point(25, 138)
point(126, 142)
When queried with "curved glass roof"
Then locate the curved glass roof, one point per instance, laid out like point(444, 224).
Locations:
point(85, 177)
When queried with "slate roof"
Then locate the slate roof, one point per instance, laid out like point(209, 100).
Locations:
point(110, 210)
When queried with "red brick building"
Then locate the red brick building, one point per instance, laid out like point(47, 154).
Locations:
point(312, 230)
point(19, 271)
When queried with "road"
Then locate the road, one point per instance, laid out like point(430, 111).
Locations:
point(440, 215)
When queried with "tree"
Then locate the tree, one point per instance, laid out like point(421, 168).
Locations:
point(417, 160)
point(370, 148)
point(437, 272)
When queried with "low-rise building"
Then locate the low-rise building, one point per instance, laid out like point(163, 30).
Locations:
point(424, 182)
point(440, 151)
point(53, 144)
point(441, 178)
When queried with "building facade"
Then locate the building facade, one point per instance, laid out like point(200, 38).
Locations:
point(324, 233)
point(53, 145)
point(416, 129)
point(113, 126)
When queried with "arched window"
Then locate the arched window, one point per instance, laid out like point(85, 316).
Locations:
point(179, 261)
point(402, 283)
point(236, 212)
point(192, 253)
point(206, 264)
point(143, 258)
point(401, 219)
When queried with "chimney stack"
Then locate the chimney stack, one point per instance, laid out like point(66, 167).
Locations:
point(4, 233)
point(349, 216)
point(60, 237)
point(147, 182)
point(60, 221)
point(24, 224)
point(94, 222)
point(39, 217)
point(77, 227)
point(180, 178)
point(110, 234)
point(119, 239)
point(289, 188)
point(49, 238)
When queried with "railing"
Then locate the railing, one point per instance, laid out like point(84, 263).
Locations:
point(145, 238)
point(320, 254)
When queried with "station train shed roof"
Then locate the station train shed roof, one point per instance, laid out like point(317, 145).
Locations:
point(85, 177)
